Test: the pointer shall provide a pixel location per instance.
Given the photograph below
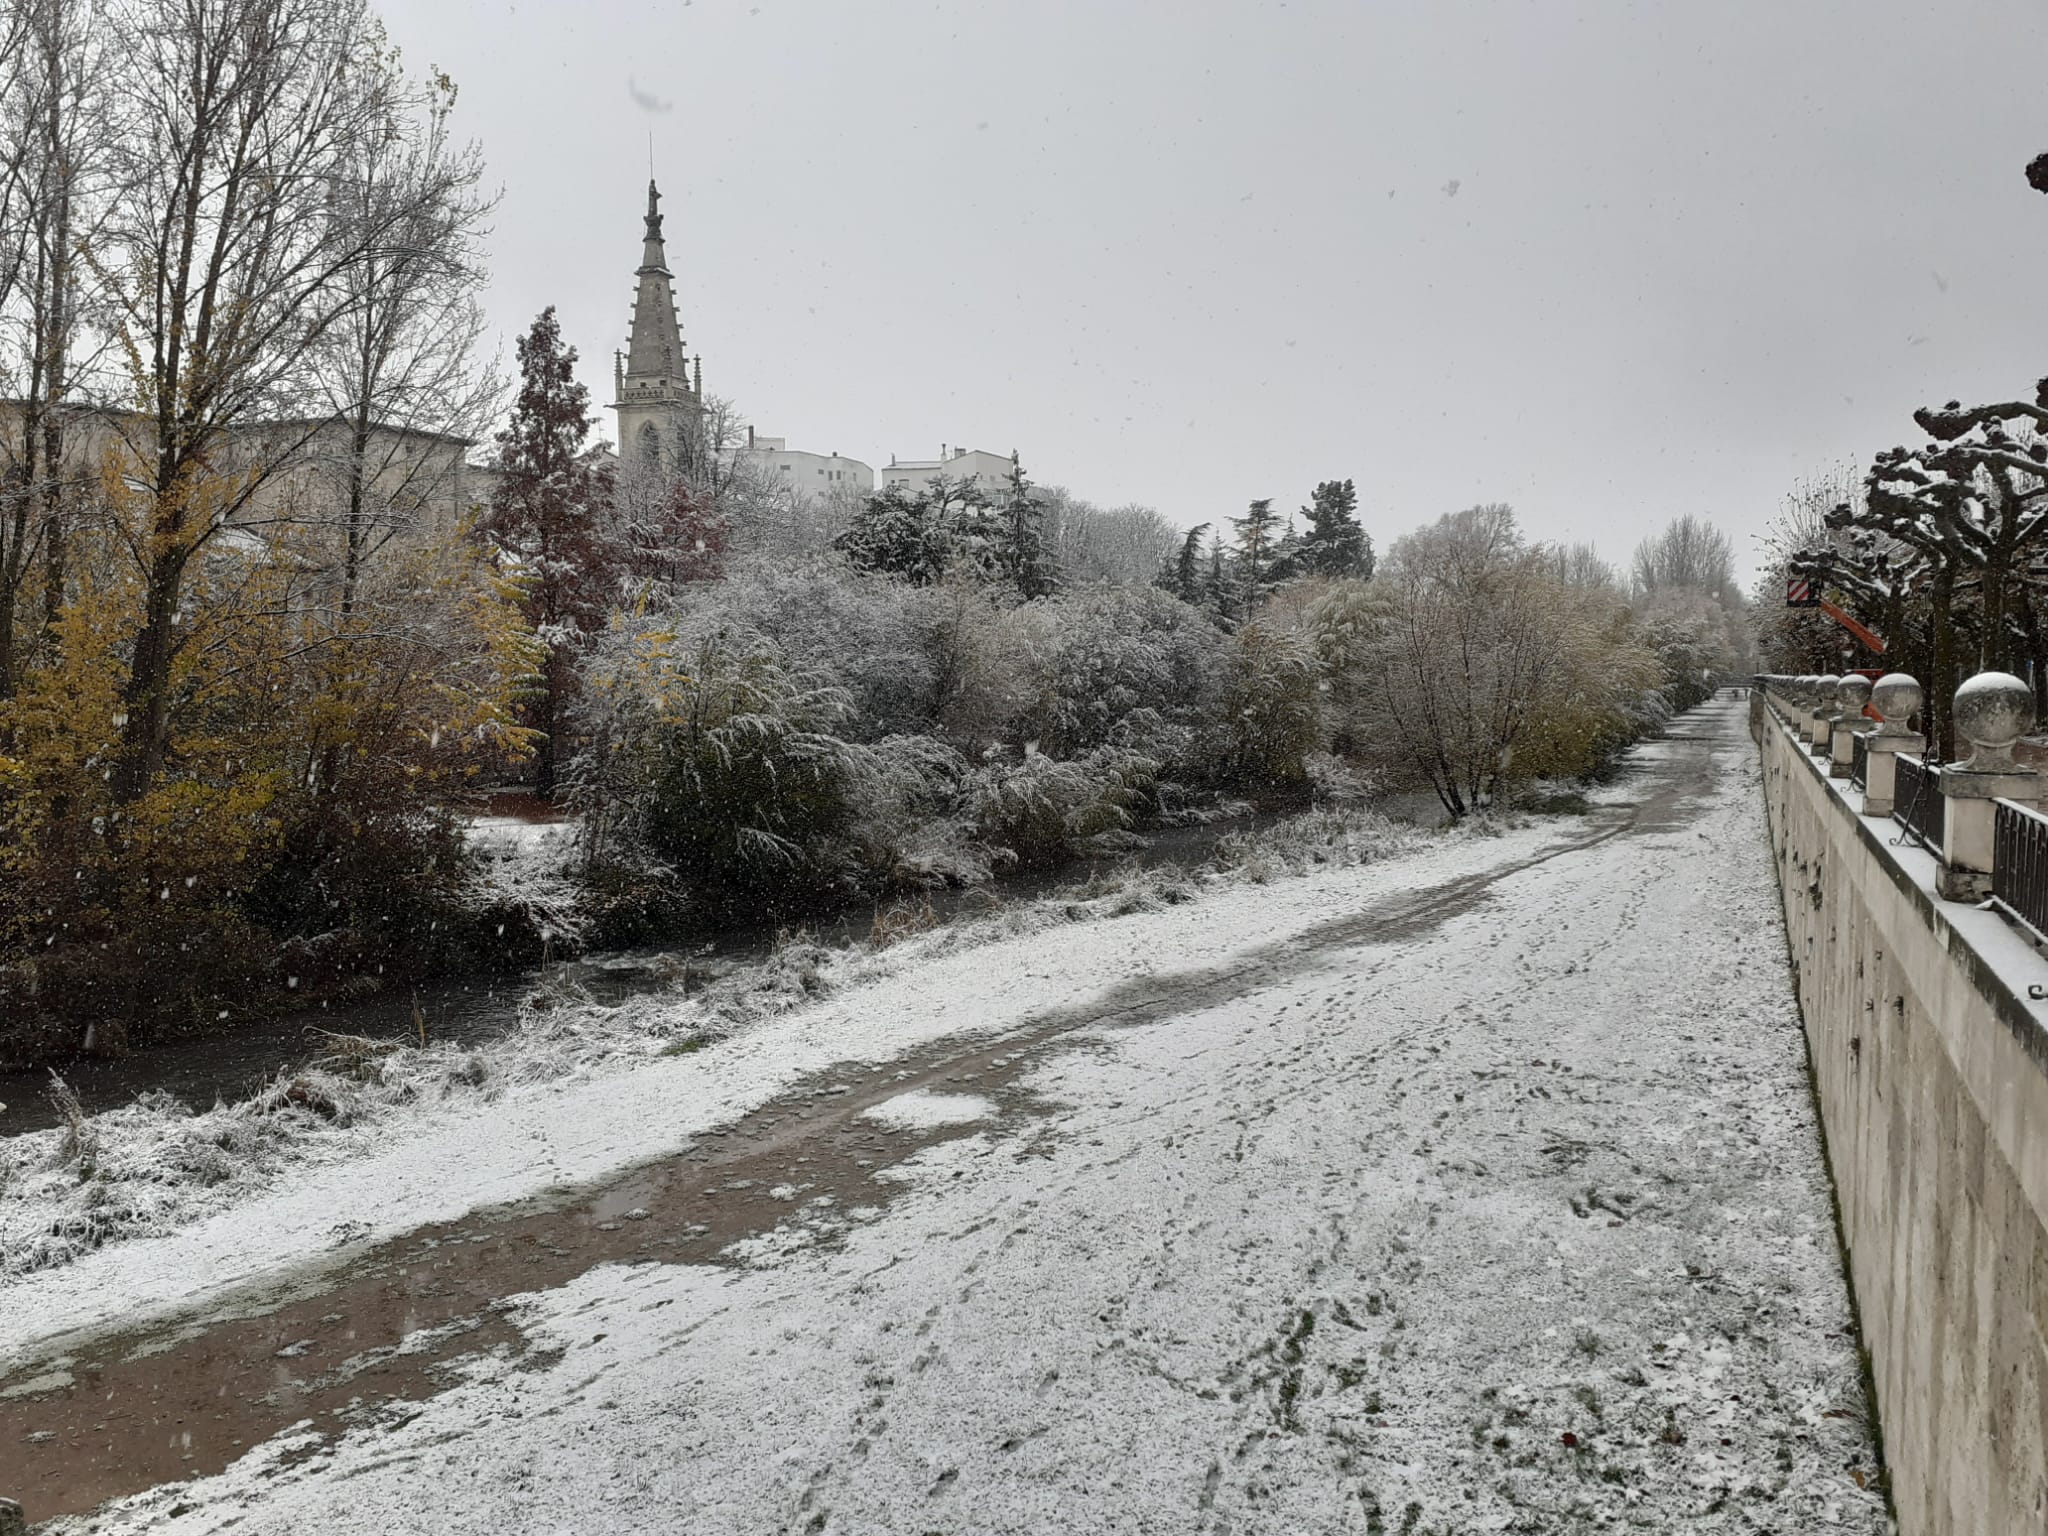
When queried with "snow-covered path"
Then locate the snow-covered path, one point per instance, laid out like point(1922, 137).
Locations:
point(1497, 1206)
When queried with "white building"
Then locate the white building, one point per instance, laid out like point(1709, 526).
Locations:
point(991, 469)
point(808, 474)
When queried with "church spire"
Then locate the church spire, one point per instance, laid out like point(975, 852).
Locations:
point(655, 361)
point(653, 375)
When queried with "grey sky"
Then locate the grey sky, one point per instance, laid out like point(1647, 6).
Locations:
point(1607, 262)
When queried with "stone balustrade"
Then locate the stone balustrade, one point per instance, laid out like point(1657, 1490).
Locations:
point(1992, 711)
point(1923, 993)
point(1897, 697)
point(1851, 694)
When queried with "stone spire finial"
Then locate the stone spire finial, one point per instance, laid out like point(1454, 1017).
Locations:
point(653, 210)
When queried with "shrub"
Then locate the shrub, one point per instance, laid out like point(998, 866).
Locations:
point(1269, 715)
point(1042, 812)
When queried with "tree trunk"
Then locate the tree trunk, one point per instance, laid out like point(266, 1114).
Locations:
point(13, 567)
point(147, 698)
point(1941, 686)
point(545, 759)
point(1993, 645)
point(56, 364)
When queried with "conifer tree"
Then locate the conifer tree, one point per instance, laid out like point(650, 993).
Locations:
point(546, 514)
point(1335, 544)
point(1219, 586)
point(1182, 575)
point(1023, 557)
point(1258, 533)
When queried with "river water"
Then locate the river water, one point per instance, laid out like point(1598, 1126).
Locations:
point(470, 1010)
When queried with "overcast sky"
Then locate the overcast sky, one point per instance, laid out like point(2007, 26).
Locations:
point(1608, 262)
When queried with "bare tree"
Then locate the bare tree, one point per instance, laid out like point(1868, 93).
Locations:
point(1088, 543)
point(1691, 554)
point(1462, 640)
point(229, 262)
point(52, 122)
point(1580, 565)
point(398, 374)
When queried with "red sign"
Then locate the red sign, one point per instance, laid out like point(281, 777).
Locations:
point(1800, 594)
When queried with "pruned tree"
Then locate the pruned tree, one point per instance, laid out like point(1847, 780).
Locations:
point(1957, 530)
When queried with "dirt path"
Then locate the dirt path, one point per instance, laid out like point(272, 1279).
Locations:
point(1328, 1165)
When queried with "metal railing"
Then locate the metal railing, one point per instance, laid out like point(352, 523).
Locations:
point(1916, 801)
point(2019, 865)
point(1859, 759)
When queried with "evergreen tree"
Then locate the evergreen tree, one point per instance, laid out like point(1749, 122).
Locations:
point(1257, 536)
point(1023, 556)
point(1287, 562)
point(1182, 575)
point(920, 535)
point(1219, 586)
point(888, 535)
point(546, 513)
point(1335, 544)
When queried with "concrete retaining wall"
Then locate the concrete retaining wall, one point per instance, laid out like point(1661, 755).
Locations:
point(1931, 1066)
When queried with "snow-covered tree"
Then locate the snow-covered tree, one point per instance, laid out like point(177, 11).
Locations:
point(1335, 545)
point(1467, 653)
point(547, 514)
point(1258, 535)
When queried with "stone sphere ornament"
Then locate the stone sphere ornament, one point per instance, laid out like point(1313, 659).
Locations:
point(1852, 693)
point(1993, 710)
point(1897, 696)
point(1824, 694)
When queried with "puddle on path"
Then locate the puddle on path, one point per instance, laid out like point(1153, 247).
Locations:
point(177, 1401)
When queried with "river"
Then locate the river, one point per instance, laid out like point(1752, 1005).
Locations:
point(198, 1071)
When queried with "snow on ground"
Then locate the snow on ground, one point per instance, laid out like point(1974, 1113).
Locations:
point(153, 1167)
point(1506, 1217)
point(249, 1194)
point(922, 1109)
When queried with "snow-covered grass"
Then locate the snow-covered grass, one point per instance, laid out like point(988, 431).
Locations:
point(154, 1166)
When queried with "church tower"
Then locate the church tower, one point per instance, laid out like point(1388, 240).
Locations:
point(655, 396)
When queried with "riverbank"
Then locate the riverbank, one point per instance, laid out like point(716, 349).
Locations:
point(156, 1164)
point(201, 1068)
